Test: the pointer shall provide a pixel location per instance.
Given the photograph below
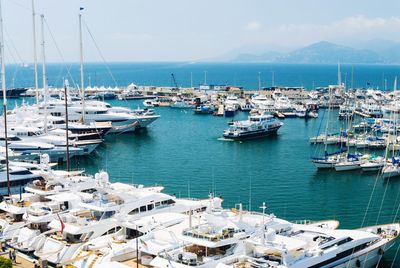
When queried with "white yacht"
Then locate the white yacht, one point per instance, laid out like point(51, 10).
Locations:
point(304, 246)
point(158, 213)
point(256, 126)
point(95, 217)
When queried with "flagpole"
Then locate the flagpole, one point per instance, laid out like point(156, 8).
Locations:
point(34, 53)
point(3, 87)
point(81, 65)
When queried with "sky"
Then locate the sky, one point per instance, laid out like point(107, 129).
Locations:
point(190, 30)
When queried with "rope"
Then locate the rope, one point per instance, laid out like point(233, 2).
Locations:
point(59, 53)
point(101, 54)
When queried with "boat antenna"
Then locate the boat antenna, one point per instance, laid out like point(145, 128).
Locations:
point(3, 87)
point(263, 207)
point(44, 73)
point(81, 65)
point(34, 52)
point(66, 121)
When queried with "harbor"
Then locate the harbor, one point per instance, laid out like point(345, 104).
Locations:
point(287, 159)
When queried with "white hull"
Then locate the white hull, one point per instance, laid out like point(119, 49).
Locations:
point(347, 166)
point(323, 164)
point(371, 167)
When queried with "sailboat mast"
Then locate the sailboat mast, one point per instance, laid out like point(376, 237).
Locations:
point(34, 53)
point(66, 123)
point(44, 73)
point(81, 67)
point(3, 87)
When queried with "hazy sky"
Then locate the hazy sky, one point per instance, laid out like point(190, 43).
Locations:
point(189, 30)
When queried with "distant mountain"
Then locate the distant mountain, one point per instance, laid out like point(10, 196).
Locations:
point(265, 57)
point(326, 52)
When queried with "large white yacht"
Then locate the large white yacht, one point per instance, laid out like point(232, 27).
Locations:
point(309, 246)
point(256, 126)
point(95, 217)
point(157, 213)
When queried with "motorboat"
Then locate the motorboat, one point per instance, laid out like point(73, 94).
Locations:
point(256, 126)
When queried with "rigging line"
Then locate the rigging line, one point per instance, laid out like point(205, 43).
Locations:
point(395, 256)
point(21, 6)
point(383, 199)
point(10, 41)
point(68, 67)
point(14, 61)
point(395, 202)
point(370, 200)
point(101, 54)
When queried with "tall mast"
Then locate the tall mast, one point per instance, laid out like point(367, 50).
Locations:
point(34, 53)
point(44, 73)
point(81, 68)
point(66, 122)
point(3, 87)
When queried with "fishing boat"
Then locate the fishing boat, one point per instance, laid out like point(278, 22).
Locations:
point(256, 126)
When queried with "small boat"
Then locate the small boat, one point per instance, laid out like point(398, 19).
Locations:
point(230, 111)
point(151, 103)
point(373, 164)
point(204, 109)
point(351, 162)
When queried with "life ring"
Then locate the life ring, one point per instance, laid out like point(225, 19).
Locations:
point(358, 263)
point(381, 251)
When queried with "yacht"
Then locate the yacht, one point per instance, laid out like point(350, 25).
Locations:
point(255, 126)
point(306, 246)
point(160, 215)
point(95, 217)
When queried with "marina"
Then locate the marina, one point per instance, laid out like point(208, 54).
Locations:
point(292, 162)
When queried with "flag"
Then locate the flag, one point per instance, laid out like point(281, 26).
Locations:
point(144, 243)
point(62, 223)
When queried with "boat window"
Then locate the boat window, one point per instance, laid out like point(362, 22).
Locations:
point(21, 172)
point(132, 233)
point(112, 230)
point(108, 214)
point(150, 207)
point(135, 211)
point(142, 208)
point(168, 202)
point(158, 204)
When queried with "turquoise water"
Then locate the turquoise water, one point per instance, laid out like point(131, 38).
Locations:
point(183, 152)
point(245, 75)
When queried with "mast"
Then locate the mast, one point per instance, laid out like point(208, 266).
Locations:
point(81, 67)
point(44, 73)
point(66, 122)
point(3, 87)
point(34, 53)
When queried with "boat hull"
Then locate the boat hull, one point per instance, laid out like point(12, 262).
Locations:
point(252, 134)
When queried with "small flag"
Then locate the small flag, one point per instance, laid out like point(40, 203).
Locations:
point(144, 243)
point(81, 8)
point(62, 223)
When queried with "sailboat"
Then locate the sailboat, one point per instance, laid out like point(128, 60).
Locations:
point(329, 160)
point(392, 167)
